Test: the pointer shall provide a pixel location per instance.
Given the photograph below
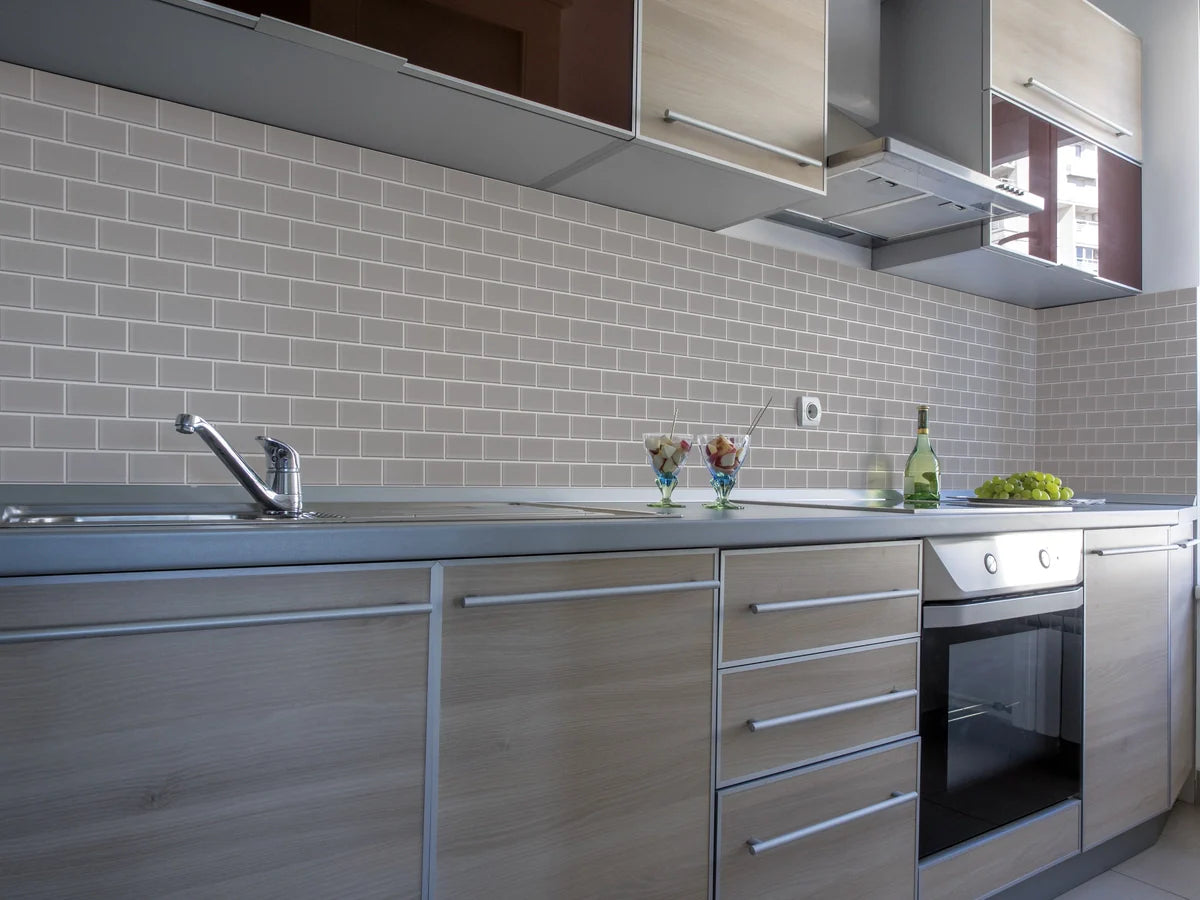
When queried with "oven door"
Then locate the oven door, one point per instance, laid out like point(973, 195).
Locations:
point(1001, 712)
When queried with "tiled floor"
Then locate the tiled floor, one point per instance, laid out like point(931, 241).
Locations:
point(1167, 871)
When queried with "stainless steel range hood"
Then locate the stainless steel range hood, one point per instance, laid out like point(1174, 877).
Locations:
point(887, 189)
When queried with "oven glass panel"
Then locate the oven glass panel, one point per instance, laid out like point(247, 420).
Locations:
point(1000, 723)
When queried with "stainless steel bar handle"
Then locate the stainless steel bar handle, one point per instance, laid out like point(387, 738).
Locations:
point(1125, 551)
point(784, 605)
point(891, 696)
point(897, 799)
point(118, 629)
point(671, 115)
point(1118, 130)
point(627, 590)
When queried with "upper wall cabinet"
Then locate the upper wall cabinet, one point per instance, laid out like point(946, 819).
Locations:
point(731, 113)
point(573, 55)
point(1070, 62)
point(512, 89)
point(1043, 94)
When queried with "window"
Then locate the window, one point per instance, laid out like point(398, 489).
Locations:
point(1087, 254)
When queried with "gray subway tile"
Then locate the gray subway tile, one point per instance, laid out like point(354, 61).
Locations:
point(53, 363)
point(64, 296)
point(58, 90)
point(97, 199)
point(32, 118)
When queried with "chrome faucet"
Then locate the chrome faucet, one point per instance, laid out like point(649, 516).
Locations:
point(283, 467)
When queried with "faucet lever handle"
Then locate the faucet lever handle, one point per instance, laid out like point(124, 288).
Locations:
point(281, 457)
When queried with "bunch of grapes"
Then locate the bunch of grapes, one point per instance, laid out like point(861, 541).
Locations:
point(1024, 486)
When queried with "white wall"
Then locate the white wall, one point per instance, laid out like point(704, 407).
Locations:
point(1170, 32)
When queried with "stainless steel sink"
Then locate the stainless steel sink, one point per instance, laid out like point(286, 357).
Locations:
point(139, 515)
point(61, 515)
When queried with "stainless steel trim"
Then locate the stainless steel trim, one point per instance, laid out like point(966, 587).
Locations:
point(433, 729)
point(784, 605)
point(1118, 130)
point(978, 612)
point(671, 115)
point(217, 12)
point(587, 593)
point(117, 629)
point(897, 799)
point(763, 724)
point(1127, 551)
point(327, 43)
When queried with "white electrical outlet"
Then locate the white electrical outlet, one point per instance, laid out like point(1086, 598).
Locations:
point(808, 412)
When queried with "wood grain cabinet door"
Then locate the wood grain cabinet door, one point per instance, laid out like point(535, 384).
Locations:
point(756, 68)
point(576, 743)
point(1089, 66)
point(275, 760)
point(1126, 689)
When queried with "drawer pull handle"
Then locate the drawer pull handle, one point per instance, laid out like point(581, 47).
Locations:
point(1149, 548)
point(117, 629)
point(1116, 129)
point(627, 590)
point(785, 605)
point(671, 115)
point(897, 799)
point(1188, 544)
point(891, 696)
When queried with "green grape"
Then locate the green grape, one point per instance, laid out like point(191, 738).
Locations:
point(1067, 493)
point(1054, 492)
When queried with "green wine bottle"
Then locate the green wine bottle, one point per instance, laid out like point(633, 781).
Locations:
point(922, 472)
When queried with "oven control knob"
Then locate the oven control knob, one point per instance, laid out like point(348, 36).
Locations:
point(989, 563)
point(1044, 559)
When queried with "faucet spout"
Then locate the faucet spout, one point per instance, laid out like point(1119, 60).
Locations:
point(283, 495)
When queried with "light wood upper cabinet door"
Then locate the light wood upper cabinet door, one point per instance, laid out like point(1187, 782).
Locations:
point(266, 761)
point(575, 746)
point(1126, 694)
point(755, 67)
point(1075, 49)
point(1183, 663)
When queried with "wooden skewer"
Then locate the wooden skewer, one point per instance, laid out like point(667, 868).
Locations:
point(671, 433)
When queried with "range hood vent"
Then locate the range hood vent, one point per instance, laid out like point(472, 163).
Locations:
point(887, 189)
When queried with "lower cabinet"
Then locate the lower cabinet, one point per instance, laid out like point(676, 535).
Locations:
point(1126, 739)
point(846, 828)
point(575, 756)
point(235, 733)
point(1182, 578)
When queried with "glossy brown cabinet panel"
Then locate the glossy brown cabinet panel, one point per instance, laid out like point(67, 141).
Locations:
point(574, 55)
point(1092, 220)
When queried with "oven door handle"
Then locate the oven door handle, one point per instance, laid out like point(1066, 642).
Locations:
point(980, 612)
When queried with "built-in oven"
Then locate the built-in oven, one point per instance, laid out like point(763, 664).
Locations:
point(1001, 681)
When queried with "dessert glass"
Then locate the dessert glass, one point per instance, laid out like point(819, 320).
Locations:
point(724, 455)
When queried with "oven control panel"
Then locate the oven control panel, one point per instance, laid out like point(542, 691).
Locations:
point(963, 568)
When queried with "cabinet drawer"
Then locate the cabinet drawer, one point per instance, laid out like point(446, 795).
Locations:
point(814, 707)
point(840, 829)
point(1008, 856)
point(1072, 48)
point(779, 602)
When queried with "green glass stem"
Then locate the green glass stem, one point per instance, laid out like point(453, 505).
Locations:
point(666, 486)
point(722, 484)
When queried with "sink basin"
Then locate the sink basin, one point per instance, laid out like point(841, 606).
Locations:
point(327, 513)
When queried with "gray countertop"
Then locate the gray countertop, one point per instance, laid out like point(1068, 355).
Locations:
point(86, 549)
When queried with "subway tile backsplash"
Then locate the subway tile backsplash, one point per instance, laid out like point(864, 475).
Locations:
point(1117, 394)
point(406, 324)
